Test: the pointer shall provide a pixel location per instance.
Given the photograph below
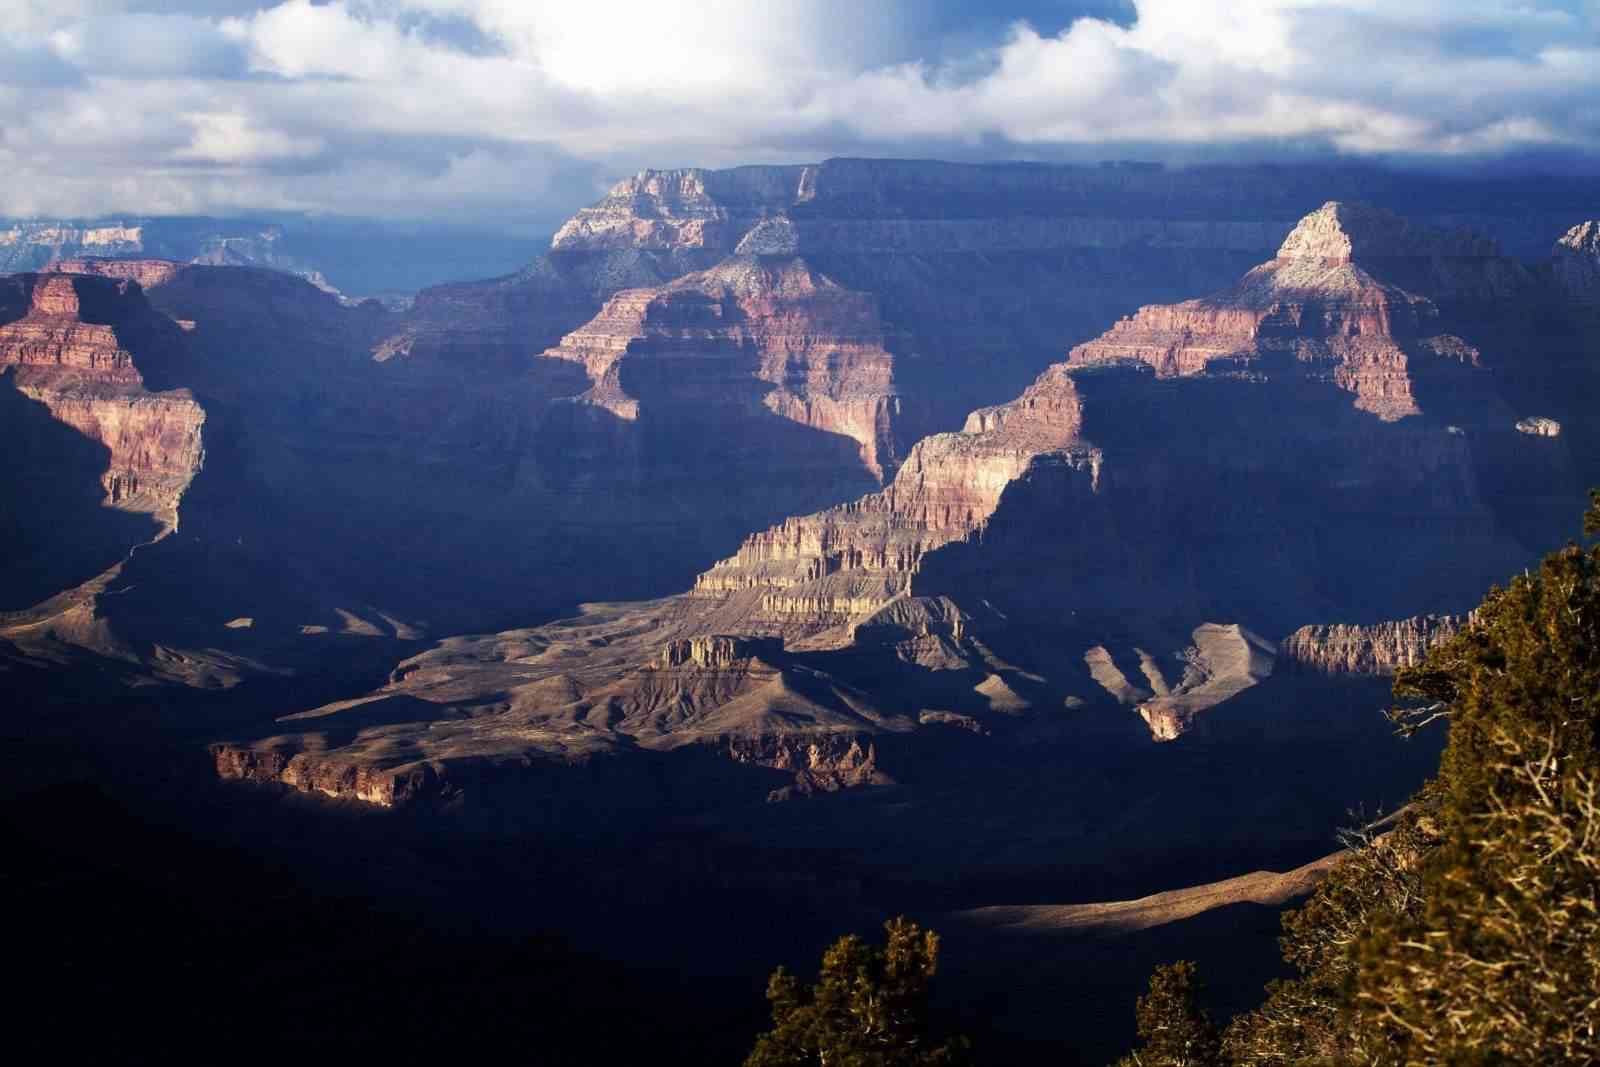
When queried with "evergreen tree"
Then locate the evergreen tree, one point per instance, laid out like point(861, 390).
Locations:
point(1502, 962)
point(1175, 1029)
point(868, 1008)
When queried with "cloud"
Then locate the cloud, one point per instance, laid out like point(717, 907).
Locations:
point(500, 108)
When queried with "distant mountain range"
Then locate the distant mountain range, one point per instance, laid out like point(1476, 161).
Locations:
point(360, 258)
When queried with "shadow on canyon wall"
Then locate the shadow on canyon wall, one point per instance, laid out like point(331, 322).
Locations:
point(55, 530)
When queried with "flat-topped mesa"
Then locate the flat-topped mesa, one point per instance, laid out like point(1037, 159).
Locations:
point(1327, 309)
point(765, 334)
point(1380, 648)
point(718, 651)
point(54, 330)
point(841, 565)
point(148, 273)
point(693, 208)
point(1576, 263)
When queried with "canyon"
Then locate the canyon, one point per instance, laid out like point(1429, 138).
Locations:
point(861, 426)
point(973, 541)
point(1023, 575)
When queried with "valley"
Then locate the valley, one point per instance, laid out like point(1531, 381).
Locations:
point(988, 543)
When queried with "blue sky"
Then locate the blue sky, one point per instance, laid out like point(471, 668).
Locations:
point(489, 110)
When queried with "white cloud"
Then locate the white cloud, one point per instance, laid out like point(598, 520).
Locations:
point(304, 105)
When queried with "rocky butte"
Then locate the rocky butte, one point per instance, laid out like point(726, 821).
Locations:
point(1134, 531)
point(862, 361)
point(100, 460)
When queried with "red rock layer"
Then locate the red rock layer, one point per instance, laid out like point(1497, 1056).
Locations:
point(1380, 648)
point(821, 570)
point(71, 350)
point(768, 333)
point(1317, 313)
point(1312, 315)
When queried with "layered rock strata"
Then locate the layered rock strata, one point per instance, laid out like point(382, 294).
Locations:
point(1379, 648)
point(1313, 442)
point(72, 350)
point(760, 334)
point(1319, 311)
point(849, 562)
point(1268, 360)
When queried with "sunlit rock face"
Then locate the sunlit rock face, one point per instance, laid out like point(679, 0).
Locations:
point(97, 460)
point(1576, 263)
point(72, 348)
point(1163, 524)
point(1291, 402)
point(1374, 648)
point(1330, 307)
point(990, 271)
point(760, 335)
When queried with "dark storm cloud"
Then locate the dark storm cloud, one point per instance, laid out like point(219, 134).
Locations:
point(501, 108)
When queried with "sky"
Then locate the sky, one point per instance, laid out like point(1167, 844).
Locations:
point(517, 111)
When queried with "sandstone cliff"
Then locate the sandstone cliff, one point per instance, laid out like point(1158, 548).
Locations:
point(1380, 648)
point(1330, 308)
point(73, 349)
point(761, 334)
point(1267, 361)
point(1312, 442)
point(815, 572)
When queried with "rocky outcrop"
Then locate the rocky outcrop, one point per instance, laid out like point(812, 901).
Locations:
point(1320, 311)
point(1310, 443)
point(819, 571)
point(1380, 648)
point(1539, 426)
point(647, 231)
point(660, 210)
point(1269, 360)
point(1223, 662)
point(824, 764)
point(1576, 263)
point(73, 347)
point(718, 651)
point(342, 780)
point(755, 334)
point(990, 271)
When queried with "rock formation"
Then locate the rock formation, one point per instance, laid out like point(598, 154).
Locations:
point(1120, 535)
point(756, 334)
point(704, 353)
point(1576, 263)
point(73, 349)
point(1267, 360)
point(847, 563)
point(1380, 648)
point(1319, 310)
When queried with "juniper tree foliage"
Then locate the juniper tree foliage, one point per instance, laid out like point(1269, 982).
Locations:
point(1468, 932)
point(1502, 963)
point(1312, 1018)
point(868, 1008)
point(1175, 1030)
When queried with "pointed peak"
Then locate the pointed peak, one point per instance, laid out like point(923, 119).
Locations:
point(1583, 239)
point(1577, 263)
point(774, 236)
point(1345, 231)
